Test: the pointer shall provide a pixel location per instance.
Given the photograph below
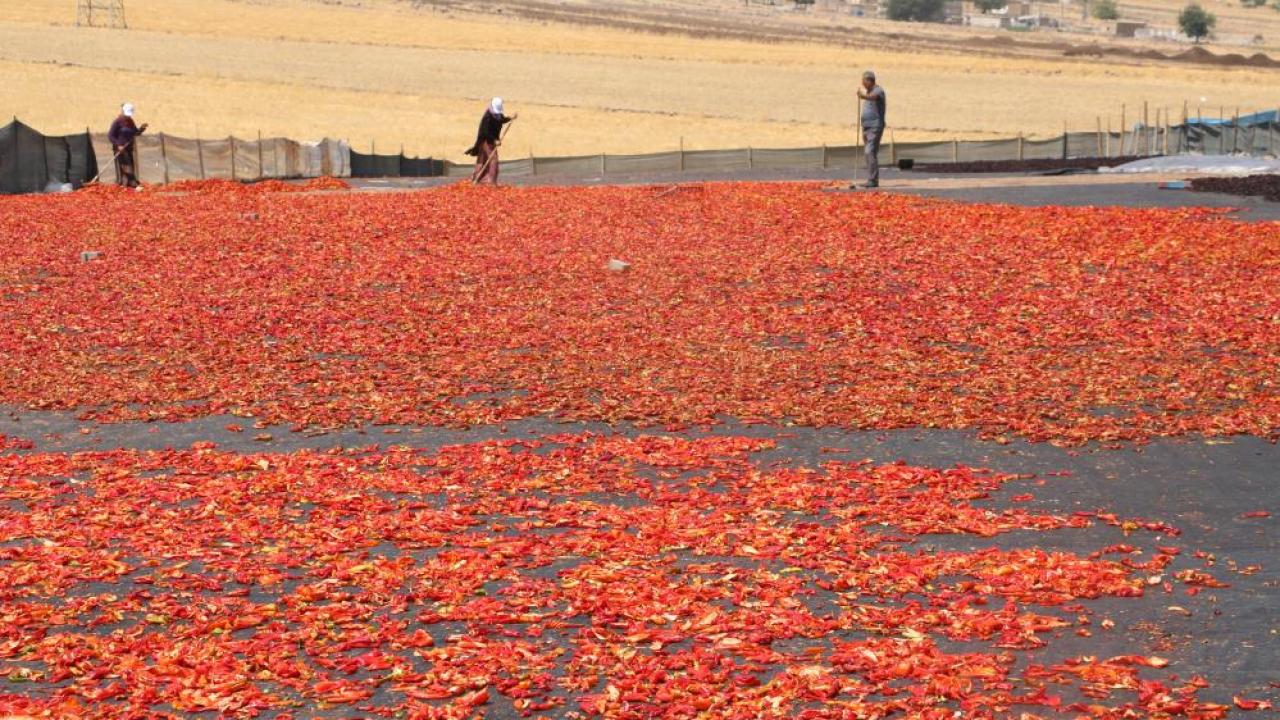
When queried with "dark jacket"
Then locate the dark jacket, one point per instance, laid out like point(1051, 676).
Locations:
point(123, 132)
point(490, 130)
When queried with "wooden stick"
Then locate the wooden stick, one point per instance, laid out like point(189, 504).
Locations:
point(1146, 149)
point(164, 158)
point(475, 180)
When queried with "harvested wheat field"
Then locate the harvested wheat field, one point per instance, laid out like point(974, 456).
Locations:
point(394, 75)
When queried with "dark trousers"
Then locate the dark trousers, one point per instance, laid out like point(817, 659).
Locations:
point(871, 143)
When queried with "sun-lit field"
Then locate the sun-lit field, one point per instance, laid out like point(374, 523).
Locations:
point(384, 74)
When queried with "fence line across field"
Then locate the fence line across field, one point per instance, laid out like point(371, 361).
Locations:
point(30, 161)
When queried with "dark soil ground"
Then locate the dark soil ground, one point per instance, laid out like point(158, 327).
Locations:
point(1210, 489)
point(1266, 187)
point(1023, 166)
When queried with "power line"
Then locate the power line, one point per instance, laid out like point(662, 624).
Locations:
point(101, 13)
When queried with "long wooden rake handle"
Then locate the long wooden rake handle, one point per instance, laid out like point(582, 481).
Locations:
point(483, 168)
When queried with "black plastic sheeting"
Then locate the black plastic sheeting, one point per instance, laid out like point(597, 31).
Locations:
point(1215, 139)
point(30, 161)
point(371, 166)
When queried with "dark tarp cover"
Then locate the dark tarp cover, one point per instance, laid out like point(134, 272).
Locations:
point(369, 166)
point(29, 161)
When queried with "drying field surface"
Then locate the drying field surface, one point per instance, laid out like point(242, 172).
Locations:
point(305, 452)
point(387, 75)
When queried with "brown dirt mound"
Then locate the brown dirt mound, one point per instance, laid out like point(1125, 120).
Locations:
point(1196, 55)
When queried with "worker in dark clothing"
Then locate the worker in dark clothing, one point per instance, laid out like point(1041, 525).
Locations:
point(488, 140)
point(123, 135)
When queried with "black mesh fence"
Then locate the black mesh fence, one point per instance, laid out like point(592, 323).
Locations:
point(31, 161)
point(373, 166)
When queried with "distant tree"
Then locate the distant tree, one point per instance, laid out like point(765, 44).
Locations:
point(1106, 10)
point(918, 10)
point(1196, 22)
point(1253, 3)
point(987, 6)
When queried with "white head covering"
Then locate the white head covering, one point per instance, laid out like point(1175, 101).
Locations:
point(495, 107)
point(127, 109)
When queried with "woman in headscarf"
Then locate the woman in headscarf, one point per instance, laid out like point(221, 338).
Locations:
point(488, 139)
point(123, 135)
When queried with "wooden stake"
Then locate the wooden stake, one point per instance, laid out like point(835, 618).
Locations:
point(1122, 128)
point(893, 150)
point(261, 167)
point(232, 138)
point(200, 153)
point(1021, 150)
point(1222, 130)
point(955, 151)
point(1146, 149)
point(164, 157)
point(1167, 128)
point(1098, 136)
point(824, 157)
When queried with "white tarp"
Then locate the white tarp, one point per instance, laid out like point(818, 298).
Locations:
point(1201, 164)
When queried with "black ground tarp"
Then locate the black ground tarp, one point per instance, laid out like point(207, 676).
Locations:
point(371, 166)
point(29, 160)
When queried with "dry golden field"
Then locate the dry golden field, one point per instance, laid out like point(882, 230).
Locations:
point(383, 72)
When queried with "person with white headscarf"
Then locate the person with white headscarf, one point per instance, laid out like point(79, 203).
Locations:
point(488, 140)
point(123, 135)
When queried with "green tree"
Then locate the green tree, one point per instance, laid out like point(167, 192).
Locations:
point(1253, 3)
point(1106, 10)
point(987, 6)
point(1196, 22)
point(918, 10)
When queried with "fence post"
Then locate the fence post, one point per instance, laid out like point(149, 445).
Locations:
point(1064, 141)
point(824, 157)
point(1098, 137)
point(164, 158)
point(200, 154)
point(232, 138)
point(1222, 130)
point(1021, 150)
point(533, 162)
point(262, 170)
point(1146, 145)
point(1122, 126)
point(1167, 127)
point(893, 149)
point(602, 164)
point(955, 151)
point(1235, 131)
point(751, 160)
point(681, 153)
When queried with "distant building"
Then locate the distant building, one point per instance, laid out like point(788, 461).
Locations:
point(995, 22)
point(1129, 28)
